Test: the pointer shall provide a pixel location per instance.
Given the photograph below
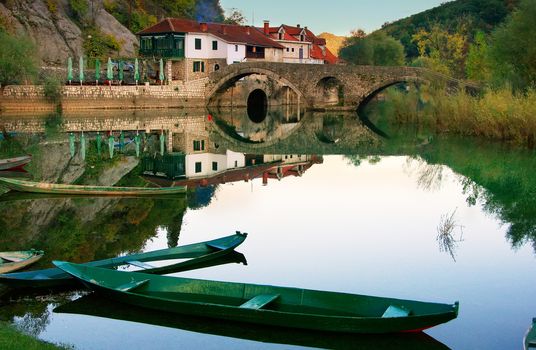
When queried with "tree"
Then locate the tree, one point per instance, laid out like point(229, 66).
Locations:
point(18, 61)
point(477, 64)
point(441, 50)
point(377, 49)
point(513, 48)
point(235, 17)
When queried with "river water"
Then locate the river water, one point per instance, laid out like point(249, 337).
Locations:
point(328, 204)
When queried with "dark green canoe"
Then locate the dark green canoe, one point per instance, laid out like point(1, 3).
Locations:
point(529, 341)
point(96, 306)
point(266, 305)
point(200, 254)
point(50, 188)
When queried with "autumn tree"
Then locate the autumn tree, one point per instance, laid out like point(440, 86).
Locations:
point(441, 50)
point(477, 66)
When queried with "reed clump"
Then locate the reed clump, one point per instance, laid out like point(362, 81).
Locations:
point(498, 114)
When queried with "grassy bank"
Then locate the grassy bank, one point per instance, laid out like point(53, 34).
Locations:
point(12, 339)
point(498, 115)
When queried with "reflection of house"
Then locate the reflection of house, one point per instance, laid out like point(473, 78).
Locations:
point(275, 167)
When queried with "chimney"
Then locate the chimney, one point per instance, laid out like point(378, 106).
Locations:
point(224, 29)
point(204, 26)
point(297, 25)
point(266, 27)
point(248, 30)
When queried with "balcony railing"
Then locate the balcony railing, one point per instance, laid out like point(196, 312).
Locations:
point(165, 53)
point(258, 55)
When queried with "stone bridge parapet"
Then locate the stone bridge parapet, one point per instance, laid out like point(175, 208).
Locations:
point(355, 83)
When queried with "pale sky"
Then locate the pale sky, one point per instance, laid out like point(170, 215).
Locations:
point(337, 17)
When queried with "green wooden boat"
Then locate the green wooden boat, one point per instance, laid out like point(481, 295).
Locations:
point(95, 305)
point(43, 187)
point(13, 261)
point(529, 341)
point(200, 254)
point(266, 305)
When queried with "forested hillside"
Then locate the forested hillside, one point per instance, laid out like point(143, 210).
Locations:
point(463, 16)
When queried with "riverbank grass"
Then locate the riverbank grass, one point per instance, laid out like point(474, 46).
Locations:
point(499, 114)
point(12, 339)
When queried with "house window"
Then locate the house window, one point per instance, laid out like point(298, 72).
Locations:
point(302, 38)
point(236, 48)
point(292, 49)
point(280, 36)
point(199, 145)
point(236, 163)
point(198, 167)
point(216, 67)
point(288, 49)
point(198, 44)
point(199, 66)
point(214, 45)
point(214, 166)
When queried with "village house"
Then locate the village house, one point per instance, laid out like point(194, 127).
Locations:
point(192, 50)
point(301, 45)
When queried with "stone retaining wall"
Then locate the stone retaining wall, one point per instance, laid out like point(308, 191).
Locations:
point(178, 95)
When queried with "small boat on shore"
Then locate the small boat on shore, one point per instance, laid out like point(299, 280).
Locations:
point(529, 341)
point(265, 305)
point(49, 188)
point(13, 261)
point(199, 254)
point(14, 163)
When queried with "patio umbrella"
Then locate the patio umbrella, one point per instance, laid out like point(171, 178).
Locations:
point(111, 145)
point(97, 71)
point(136, 71)
point(162, 76)
point(81, 69)
point(137, 140)
point(71, 144)
point(121, 67)
point(110, 71)
point(69, 70)
point(98, 143)
point(121, 141)
point(83, 146)
point(162, 143)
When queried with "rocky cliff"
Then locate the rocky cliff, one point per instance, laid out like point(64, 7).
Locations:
point(57, 35)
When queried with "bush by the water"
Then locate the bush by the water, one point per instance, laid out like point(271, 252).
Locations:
point(18, 61)
point(499, 114)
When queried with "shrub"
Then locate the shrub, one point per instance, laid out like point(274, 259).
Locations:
point(52, 6)
point(18, 60)
point(79, 8)
point(100, 45)
point(52, 88)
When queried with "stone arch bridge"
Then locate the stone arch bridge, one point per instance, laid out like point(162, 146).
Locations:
point(316, 85)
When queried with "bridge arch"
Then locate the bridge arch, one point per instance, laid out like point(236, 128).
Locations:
point(374, 90)
point(230, 78)
point(329, 90)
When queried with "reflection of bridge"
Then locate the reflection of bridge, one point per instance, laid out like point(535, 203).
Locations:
point(315, 134)
point(316, 84)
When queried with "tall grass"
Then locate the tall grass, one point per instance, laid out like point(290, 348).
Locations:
point(498, 114)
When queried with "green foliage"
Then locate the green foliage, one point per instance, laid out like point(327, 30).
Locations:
point(497, 115)
point(376, 49)
point(513, 49)
point(474, 15)
point(18, 60)
point(52, 88)
point(477, 65)
point(441, 50)
point(98, 45)
point(235, 17)
point(12, 339)
point(79, 9)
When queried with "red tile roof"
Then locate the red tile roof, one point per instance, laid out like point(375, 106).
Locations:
point(326, 56)
point(227, 32)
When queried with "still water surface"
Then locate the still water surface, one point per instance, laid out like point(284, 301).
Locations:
point(365, 224)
